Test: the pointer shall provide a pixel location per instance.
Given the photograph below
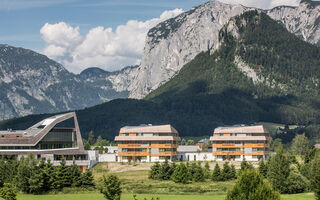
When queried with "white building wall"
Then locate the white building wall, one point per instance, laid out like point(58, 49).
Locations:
point(108, 157)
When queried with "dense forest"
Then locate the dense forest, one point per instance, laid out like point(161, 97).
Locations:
point(212, 91)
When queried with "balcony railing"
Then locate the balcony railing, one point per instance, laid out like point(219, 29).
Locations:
point(231, 153)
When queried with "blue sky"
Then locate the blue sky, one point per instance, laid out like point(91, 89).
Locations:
point(21, 21)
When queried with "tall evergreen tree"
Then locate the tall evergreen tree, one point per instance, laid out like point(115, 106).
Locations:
point(23, 175)
point(75, 175)
point(216, 175)
point(155, 171)
point(226, 172)
point(207, 171)
point(233, 172)
point(165, 171)
point(91, 138)
point(263, 168)
point(87, 179)
point(181, 174)
point(278, 170)
point(315, 181)
point(198, 175)
point(300, 145)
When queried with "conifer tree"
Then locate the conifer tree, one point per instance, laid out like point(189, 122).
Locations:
point(206, 170)
point(251, 186)
point(8, 192)
point(226, 173)
point(87, 179)
point(64, 173)
point(192, 170)
point(23, 175)
point(111, 187)
point(75, 175)
point(155, 171)
point(233, 172)
point(216, 175)
point(2, 171)
point(278, 171)
point(36, 180)
point(263, 168)
point(165, 171)
point(245, 165)
point(316, 176)
point(172, 168)
point(198, 175)
point(181, 174)
point(49, 176)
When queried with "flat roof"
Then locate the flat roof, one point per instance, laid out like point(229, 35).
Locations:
point(241, 129)
point(149, 129)
point(146, 138)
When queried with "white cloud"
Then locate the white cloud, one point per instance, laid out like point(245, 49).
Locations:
point(100, 47)
point(263, 4)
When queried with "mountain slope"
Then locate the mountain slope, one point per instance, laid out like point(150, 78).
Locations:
point(31, 83)
point(175, 42)
point(237, 83)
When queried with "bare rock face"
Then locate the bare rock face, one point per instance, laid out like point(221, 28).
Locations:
point(175, 42)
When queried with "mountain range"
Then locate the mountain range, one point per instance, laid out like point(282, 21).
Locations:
point(256, 71)
point(32, 83)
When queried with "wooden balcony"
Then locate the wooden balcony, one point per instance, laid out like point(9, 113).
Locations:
point(133, 153)
point(257, 153)
point(238, 146)
point(126, 146)
point(164, 145)
point(230, 153)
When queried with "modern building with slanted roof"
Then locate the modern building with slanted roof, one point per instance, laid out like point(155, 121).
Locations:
point(147, 143)
point(48, 140)
point(240, 142)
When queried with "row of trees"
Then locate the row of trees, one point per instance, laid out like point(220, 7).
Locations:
point(182, 173)
point(185, 173)
point(29, 175)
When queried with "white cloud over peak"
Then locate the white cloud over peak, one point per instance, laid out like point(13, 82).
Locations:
point(263, 4)
point(100, 47)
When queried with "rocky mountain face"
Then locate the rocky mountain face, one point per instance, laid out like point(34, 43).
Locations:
point(31, 83)
point(175, 42)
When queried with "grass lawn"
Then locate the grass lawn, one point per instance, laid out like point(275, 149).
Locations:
point(97, 196)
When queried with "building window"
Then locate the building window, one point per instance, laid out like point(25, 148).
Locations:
point(139, 134)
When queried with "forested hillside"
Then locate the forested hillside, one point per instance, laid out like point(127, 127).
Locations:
point(261, 72)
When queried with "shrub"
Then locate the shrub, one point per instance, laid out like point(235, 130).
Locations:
point(296, 183)
point(251, 186)
point(8, 192)
point(111, 187)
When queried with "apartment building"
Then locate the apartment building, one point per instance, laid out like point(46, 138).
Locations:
point(147, 143)
point(240, 142)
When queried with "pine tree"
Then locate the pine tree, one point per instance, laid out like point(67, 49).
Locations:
point(23, 175)
point(49, 176)
point(111, 187)
point(155, 171)
point(2, 171)
point(91, 138)
point(64, 173)
point(198, 175)
point(233, 172)
point(181, 174)
point(226, 172)
point(245, 165)
point(263, 168)
point(172, 168)
point(36, 180)
point(315, 181)
point(251, 186)
point(165, 171)
point(192, 170)
point(8, 192)
point(206, 170)
point(278, 171)
point(216, 175)
point(75, 175)
point(87, 179)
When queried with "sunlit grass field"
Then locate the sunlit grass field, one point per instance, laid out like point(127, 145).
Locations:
point(97, 196)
